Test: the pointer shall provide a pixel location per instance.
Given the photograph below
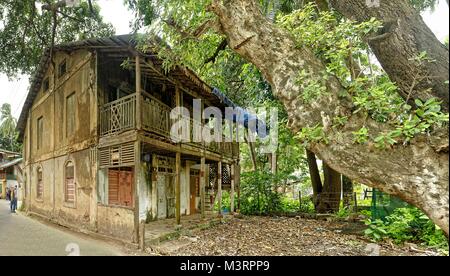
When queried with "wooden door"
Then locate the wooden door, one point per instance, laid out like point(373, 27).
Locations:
point(126, 188)
point(162, 202)
point(194, 184)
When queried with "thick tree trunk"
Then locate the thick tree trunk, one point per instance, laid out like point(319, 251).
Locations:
point(417, 173)
point(347, 191)
point(314, 174)
point(330, 198)
point(404, 37)
point(326, 196)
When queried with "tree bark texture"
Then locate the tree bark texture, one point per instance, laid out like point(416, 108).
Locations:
point(404, 36)
point(417, 173)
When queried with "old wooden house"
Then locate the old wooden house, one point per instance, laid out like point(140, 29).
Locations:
point(97, 149)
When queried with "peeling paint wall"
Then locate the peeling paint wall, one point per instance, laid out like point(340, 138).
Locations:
point(116, 222)
point(59, 146)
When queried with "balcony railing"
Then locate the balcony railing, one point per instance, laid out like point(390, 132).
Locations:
point(119, 116)
point(156, 116)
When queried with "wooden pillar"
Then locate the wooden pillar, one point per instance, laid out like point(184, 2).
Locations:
point(232, 188)
point(138, 94)
point(154, 196)
point(274, 159)
point(202, 185)
point(178, 188)
point(137, 173)
point(219, 185)
point(237, 175)
point(178, 168)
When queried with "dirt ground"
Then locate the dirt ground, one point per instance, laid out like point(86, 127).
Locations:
point(269, 236)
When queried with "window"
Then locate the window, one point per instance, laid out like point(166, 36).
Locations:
point(70, 115)
point(45, 85)
point(120, 187)
point(69, 183)
point(62, 68)
point(40, 184)
point(40, 132)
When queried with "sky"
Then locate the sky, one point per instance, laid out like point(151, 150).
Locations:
point(113, 11)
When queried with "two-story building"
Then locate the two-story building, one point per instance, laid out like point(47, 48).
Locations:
point(97, 150)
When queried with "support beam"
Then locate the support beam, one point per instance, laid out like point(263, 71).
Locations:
point(178, 100)
point(137, 172)
point(238, 184)
point(232, 188)
point(178, 188)
point(154, 195)
point(219, 186)
point(138, 94)
point(202, 185)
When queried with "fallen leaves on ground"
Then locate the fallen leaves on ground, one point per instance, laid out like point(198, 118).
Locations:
point(268, 236)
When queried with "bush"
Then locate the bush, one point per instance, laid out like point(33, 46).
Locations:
point(226, 201)
point(289, 205)
point(258, 195)
point(407, 225)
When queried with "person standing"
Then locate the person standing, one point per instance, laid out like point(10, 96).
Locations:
point(13, 197)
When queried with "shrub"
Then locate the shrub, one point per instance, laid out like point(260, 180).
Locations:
point(258, 195)
point(407, 225)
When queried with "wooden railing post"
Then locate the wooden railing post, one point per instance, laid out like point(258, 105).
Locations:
point(233, 171)
point(138, 94)
point(219, 185)
point(202, 185)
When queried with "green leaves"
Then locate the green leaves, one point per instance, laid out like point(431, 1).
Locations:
point(361, 136)
point(407, 225)
point(8, 133)
point(25, 33)
point(313, 135)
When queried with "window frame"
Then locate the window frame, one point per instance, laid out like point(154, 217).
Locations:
point(61, 65)
point(118, 203)
point(46, 85)
point(39, 183)
point(71, 132)
point(67, 202)
point(39, 132)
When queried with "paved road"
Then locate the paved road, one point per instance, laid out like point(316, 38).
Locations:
point(23, 236)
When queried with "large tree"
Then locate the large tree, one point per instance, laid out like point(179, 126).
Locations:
point(8, 133)
point(27, 27)
point(404, 37)
point(402, 153)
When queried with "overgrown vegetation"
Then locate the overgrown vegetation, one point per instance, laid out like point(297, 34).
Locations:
point(407, 225)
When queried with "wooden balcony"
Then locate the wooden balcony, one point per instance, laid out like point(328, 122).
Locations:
point(118, 116)
point(121, 116)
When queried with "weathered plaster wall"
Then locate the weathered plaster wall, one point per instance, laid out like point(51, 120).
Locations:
point(59, 146)
point(116, 221)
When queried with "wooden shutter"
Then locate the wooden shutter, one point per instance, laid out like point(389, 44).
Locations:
point(40, 132)
point(113, 187)
point(40, 185)
point(70, 184)
point(70, 115)
point(126, 188)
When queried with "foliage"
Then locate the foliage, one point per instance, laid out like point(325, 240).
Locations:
point(8, 133)
point(307, 206)
point(258, 196)
point(313, 135)
point(407, 224)
point(226, 201)
point(336, 41)
point(26, 31)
